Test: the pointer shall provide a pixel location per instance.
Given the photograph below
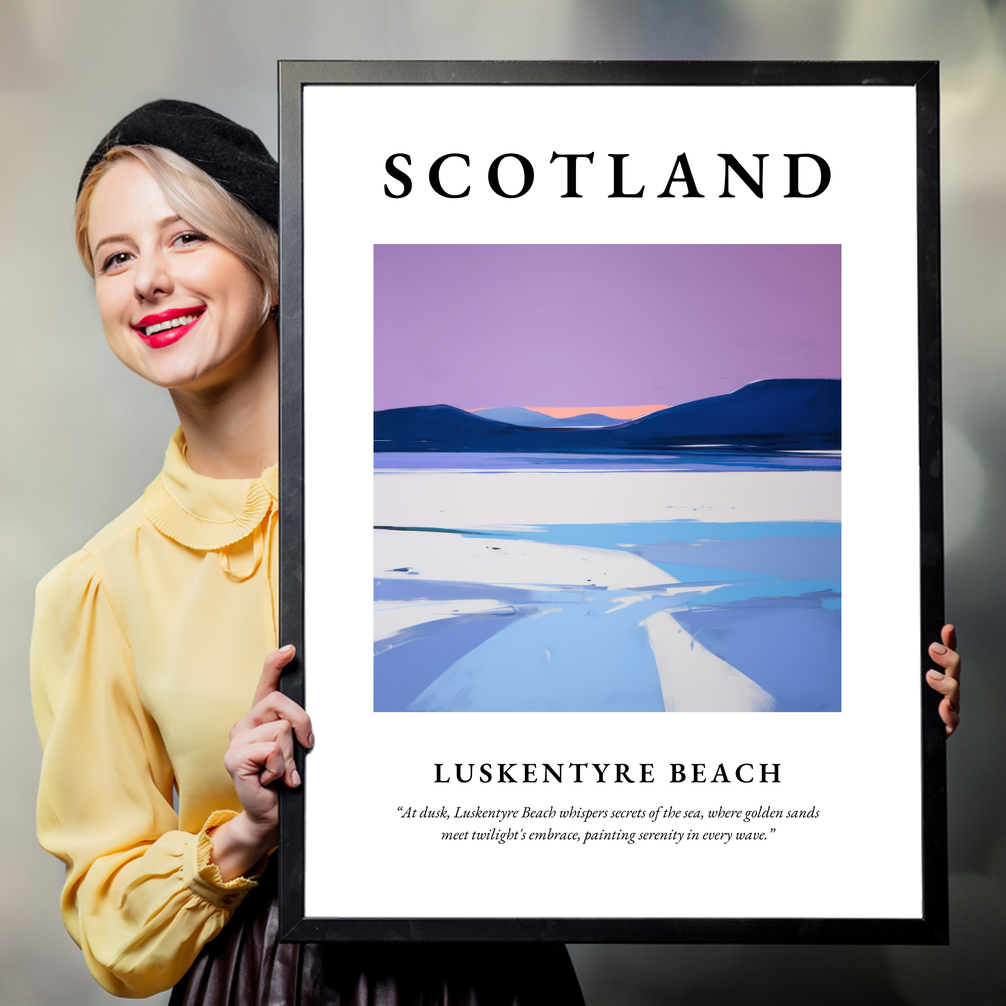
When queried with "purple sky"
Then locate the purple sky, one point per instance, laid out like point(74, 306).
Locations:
point(483, 326)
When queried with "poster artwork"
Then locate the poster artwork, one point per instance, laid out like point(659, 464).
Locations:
point(607, 478)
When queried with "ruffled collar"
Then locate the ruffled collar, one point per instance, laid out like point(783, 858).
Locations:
point(203, 513)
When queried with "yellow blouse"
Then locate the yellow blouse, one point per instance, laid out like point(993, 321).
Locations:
point(147, 647)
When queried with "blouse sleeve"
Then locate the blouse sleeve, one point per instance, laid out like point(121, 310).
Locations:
point(141, 898)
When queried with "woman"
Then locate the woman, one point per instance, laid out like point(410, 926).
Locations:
point(149, 642)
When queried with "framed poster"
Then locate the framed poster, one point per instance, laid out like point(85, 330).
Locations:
point(611, 501)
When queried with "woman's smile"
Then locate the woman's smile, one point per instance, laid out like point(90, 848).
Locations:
point(167, 327)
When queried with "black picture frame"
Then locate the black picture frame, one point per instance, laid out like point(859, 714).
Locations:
point(931, 927)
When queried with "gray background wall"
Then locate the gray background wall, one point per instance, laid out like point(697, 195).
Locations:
point(82, 436)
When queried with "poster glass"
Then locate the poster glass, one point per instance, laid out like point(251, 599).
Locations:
point(606, 451)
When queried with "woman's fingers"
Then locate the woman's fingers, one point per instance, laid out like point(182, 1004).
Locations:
point(949, 712)
point(261, 749)
point(278, 735)
point(945, 653)
point(947, 680)
point(260, 761)
point(270, 703)
point(949, 636)
point(277, 706)
point(274, 766)
point(271, 671)
point(948, 659)
point(949, 688)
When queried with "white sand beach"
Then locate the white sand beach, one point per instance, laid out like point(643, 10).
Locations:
point(512, 499)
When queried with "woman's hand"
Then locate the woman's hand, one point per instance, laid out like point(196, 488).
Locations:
point(947, 682)
point(260, 753)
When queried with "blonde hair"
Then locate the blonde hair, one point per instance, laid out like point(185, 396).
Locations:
point(199, 200)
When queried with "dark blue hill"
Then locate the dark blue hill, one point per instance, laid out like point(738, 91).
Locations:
point(787, 405)
point(788, 414)
point(436, 425)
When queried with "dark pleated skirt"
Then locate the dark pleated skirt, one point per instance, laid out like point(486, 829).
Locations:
point(246, 965)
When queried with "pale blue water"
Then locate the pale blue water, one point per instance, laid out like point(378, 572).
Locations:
point(703, 460)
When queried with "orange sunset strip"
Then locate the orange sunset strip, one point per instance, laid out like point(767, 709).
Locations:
point(615, 411)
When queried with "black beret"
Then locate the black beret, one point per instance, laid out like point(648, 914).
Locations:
point(231, 154)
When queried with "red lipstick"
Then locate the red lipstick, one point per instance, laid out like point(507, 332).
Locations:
point(165, 333)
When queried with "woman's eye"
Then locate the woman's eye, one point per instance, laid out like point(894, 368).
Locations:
point(114, 261)
point(190, 238)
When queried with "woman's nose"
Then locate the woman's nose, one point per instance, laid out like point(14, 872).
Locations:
point(152, 277)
